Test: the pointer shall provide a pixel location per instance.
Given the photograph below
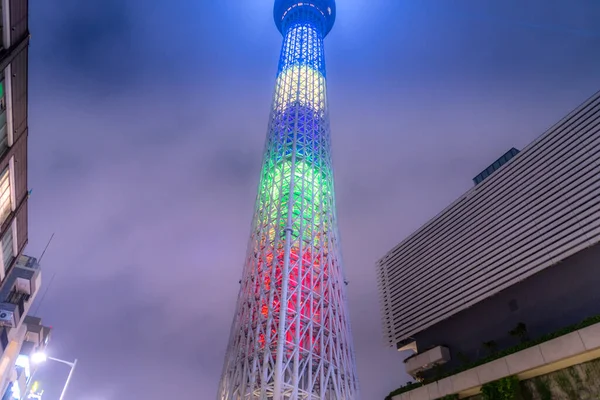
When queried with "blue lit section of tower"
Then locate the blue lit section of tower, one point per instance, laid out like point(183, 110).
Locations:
point(290, 337)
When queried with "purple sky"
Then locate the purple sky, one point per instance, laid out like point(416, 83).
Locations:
point(147, 122)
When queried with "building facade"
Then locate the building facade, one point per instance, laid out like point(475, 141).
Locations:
point(13, 132)
point(20, 276)
point(516, 257)
point(290, 337)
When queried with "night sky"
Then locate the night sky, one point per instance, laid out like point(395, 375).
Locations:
point(147, 123)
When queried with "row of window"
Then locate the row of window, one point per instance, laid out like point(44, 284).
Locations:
point(496, 165)
point(6, 202)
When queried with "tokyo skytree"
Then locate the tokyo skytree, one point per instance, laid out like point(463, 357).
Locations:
point(291, 337)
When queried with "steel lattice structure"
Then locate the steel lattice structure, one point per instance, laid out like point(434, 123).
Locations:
point(304, 349)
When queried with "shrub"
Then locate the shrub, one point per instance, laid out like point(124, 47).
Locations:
point(542, 387)
point(564, 383)
point(491, 346)
point(520, 332)
point(522, 346)
point(507, 388)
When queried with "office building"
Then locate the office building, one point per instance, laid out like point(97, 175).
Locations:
point(291, 337)
point(13, 132)
point(513, 259)
point(20, 276)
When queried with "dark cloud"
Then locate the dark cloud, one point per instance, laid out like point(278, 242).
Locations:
point(91, 42)
point(85, 35)
point(66, 162)
point(147, 123)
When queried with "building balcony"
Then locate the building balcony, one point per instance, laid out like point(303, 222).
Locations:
point(18, 291)
point(37, 334)
point(426, 360)
point(11, 313)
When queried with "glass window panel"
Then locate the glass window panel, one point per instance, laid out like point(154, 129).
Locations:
point(5, 202)
point(7, 249)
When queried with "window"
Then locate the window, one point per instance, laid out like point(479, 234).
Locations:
point(1, 26)
point(3, 125)
point(3, 338)
point(5, 24)
point(7, 249)
point(5, 200)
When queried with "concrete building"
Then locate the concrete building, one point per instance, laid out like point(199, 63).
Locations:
point(20, 335)
point(34, 340)
point(513, 259)
point(20, 276)
point(13, 132)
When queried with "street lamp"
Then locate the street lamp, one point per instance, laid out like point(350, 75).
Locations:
point(38, 358)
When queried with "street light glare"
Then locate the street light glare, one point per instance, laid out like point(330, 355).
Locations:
point(37, 358)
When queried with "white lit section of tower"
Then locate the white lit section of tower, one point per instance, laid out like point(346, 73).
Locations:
point(290, 337)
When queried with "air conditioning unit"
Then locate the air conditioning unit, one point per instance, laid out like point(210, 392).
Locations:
point(8, 318)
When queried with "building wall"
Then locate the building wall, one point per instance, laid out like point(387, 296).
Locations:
point(561, 295)
point(19, 68)
point(536, 210)
point(18, 20)
point(14, 64)
point(579, 382)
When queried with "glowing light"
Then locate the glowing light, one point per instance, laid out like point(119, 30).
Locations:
point(15, 390)
point(23, 362)
point(301, 78)
point(37, 358)
point(312, 199)
point(302, 85)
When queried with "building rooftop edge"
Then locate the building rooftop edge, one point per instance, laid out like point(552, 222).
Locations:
point(326, 7)
point(475, 188)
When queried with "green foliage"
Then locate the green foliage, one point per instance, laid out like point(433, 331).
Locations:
point(564, 383)
point(419, 376)
point(526, 392)
point(542, 387)
point(522, 346)
point(507, 388)
point(520, 332)
point(463, 358)
point(592, 370)
point(403, 389)
point(438, 371)
point(576, 378)
point(490, 346)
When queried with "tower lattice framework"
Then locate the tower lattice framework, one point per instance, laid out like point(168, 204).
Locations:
point(291, 337)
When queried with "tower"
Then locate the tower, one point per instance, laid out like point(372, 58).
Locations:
point(290, 337)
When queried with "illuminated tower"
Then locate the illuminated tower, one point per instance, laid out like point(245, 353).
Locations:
point(290, 337)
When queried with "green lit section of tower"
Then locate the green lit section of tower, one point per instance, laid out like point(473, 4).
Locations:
point(291, 337)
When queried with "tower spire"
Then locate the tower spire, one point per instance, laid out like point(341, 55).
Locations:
point(290, 338)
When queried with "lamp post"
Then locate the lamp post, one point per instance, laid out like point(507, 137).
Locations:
point(41, 357)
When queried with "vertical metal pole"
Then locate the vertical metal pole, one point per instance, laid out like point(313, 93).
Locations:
point(285, 274)
point(62, 395)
